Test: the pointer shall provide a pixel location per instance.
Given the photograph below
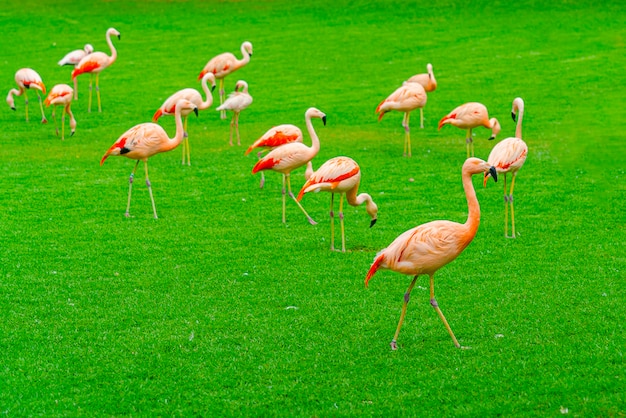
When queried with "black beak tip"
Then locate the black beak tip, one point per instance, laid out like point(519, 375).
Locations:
point(491, 138)
point(195, 110)
point(494, 174)
point(373, 222)
point(513, 116)
point(213, 89)
point(324, 120)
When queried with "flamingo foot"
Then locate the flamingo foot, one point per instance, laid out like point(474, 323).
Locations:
point(127, 215)
point(394, 345)
point(311, 221)
point(262, 183)
point(44, 120)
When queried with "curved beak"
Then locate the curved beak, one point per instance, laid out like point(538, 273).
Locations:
point(514, 116)
point(195, 110)
point(493, 173)
point(373, 222)
point(324, 120)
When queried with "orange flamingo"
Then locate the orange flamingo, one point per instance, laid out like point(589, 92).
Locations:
point(340, 175)
point(73, 58)
point(288, 157)
point(469, 116)
point(27, 78)
point(428, 247)
point(428, 81)
point(225, 64)
point(508, 156)
point(406, 98)
point(169, 107)
point(61, 95)
point(145, 140)
point(94, 63)
point(239, 100)
point(275, 137)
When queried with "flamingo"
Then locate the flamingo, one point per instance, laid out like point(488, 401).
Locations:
point(94, 63)
point(430, 246)
point(275, 137)
point(61, 95)
point(169, 107)
point(27, 78)
point(224, 64)
point(237, 101)
point(406, 98)
point(428, 81)
point(340, 175)
point(469, 116)
point(145, 140)
point(73, 58)
point(288, 157)
point(508, 156)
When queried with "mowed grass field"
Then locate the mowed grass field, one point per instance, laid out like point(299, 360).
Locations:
point(218, 309)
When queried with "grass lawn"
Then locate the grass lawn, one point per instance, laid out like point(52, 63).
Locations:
point(219, 309)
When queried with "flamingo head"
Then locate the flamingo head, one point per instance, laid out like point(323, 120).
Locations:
point(114, 32)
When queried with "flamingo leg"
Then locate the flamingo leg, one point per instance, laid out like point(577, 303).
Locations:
point(98, 91)
point(222, 93)
point(343, 232)
point(407, 298)
point(130, 189)
point(26, 103)
point(506, 210)
point(43, 115)
point(75, 88)
point(407, 134)
point(435, 305)
point(145, 164)
point(262, 175)
point(62, 125)
point(186, 144)
point(332, 222)
point(469, 143)
point(90, 91)
point(232, 125)
point(237, 128)
point(422, 117)
point(511, 203)
point(284, 191)
point(311, 221)
point(54, 117)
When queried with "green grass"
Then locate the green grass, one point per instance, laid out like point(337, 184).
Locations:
point(217, 309)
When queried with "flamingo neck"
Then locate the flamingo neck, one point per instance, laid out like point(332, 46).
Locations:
point(209, 96)
point(315, 141)
point(112, 48)
point(518, 127)
point(246, 57)
point(473, 216)
point(180, 131)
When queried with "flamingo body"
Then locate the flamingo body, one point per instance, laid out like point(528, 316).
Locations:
point(27, 78)
point(75, 56)
point(237, 101)
point(277, 136)
point(61, 95)
point(428, 81)
point(340, 175)
point(428, 247)
point(469, 116)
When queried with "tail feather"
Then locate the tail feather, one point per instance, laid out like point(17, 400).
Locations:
point(374, 268)
point(264, 164)
point(249, 150)
point(380, 112)
point(301, 194)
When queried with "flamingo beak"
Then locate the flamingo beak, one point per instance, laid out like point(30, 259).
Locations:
point(324, 120)
point(195, 110)
point(373, 222)
point(493, 173)
point(514, 116)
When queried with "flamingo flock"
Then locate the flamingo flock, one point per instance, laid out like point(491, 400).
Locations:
point(422, 250)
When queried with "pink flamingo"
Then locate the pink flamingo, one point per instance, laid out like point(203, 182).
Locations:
point(469, 116)
point(73, 58)
point(94, 63)
point(406, 98)
point(340, 175)
point(428, 247)
point(428, 81)
point(145, 140)
point(27, 78)
point(288, 157)
point(225, 64)
point(275, 137)
point(61, 95)
point(239, 100)
point(508, 156)
point(169, 107)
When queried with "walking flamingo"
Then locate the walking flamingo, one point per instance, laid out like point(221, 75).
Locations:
point(288, 157)
point(508, 156)
point(340, 175)
point(469, 116)
point(406, 98)
point(169, 107)
point(428, 81)
point(61, 95)
point(275, 137)
point(225, 64)
point(145, 140)
point(73, 58)
point(94, 63)
point(428, 247)
point(237, 101)
point(27, 78)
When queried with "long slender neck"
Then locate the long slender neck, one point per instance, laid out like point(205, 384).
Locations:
point(180, 131)
point(473, 216)
point(246, 57)
point(518, 128)
point(315, 141)
point(111, 47)
point(209, 97)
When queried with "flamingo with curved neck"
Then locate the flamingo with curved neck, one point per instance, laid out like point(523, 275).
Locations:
point(428, 247)
point(428, 81)
point(94, 63)
point(61, 95)
point(469, 116)
point(291, 156)
point(145, 140)
point(238, 100)
point(508, 156)
point(27, 78)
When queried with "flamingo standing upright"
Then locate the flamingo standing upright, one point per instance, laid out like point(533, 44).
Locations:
point(406, 98)
point(340, 175)
point(428, 81)
point(145, 140)
point(169, 107)
point(225, 64)
point(61, 95)
point(469, 116)
point(508, 156)
point(27, 78)
point(237, 101)
point(275, 137)
point(428, 247)
point(73, 58)
point(94, 63)
point(291, 156)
